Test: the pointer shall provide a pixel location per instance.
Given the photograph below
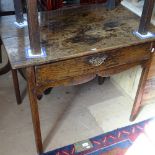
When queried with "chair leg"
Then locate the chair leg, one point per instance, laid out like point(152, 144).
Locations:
point(16, 86)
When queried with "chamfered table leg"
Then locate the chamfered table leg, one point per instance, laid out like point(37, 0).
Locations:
point(34, 108)
point(16, 86)
point(139, 94)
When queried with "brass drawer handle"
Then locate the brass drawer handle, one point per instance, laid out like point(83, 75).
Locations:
point(97, 61)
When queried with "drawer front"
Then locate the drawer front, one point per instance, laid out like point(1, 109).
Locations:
point(91, 64)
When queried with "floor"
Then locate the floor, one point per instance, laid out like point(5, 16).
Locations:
point(68, 115)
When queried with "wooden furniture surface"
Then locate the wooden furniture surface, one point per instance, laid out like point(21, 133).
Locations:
point(80, 42)
point(71, 33)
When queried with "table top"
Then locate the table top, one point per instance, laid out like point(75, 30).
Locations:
point(72, 32)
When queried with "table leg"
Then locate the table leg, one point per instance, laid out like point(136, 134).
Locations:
point(139, 94)
point(16, 86)
point(34, 108)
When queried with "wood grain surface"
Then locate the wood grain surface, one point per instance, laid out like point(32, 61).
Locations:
point(74, 32)
point(81, 66)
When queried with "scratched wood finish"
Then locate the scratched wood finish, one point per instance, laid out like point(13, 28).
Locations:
point(69, 81)
point(80, 66)
point(74, 32)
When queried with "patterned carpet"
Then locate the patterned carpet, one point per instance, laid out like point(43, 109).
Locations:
point(137, 139)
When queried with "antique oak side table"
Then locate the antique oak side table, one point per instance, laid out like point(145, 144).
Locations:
point(78, 43)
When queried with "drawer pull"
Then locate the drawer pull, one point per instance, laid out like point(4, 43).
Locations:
point(97, 61)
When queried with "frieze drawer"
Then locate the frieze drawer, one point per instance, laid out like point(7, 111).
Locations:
point(92, 63)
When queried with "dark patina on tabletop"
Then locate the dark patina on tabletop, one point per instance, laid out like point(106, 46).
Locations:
point(72, 32)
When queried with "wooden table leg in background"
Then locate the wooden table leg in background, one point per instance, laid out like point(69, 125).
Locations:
point(16, 86)
point(140, 91)
point(101, 80)
point(34, 108)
